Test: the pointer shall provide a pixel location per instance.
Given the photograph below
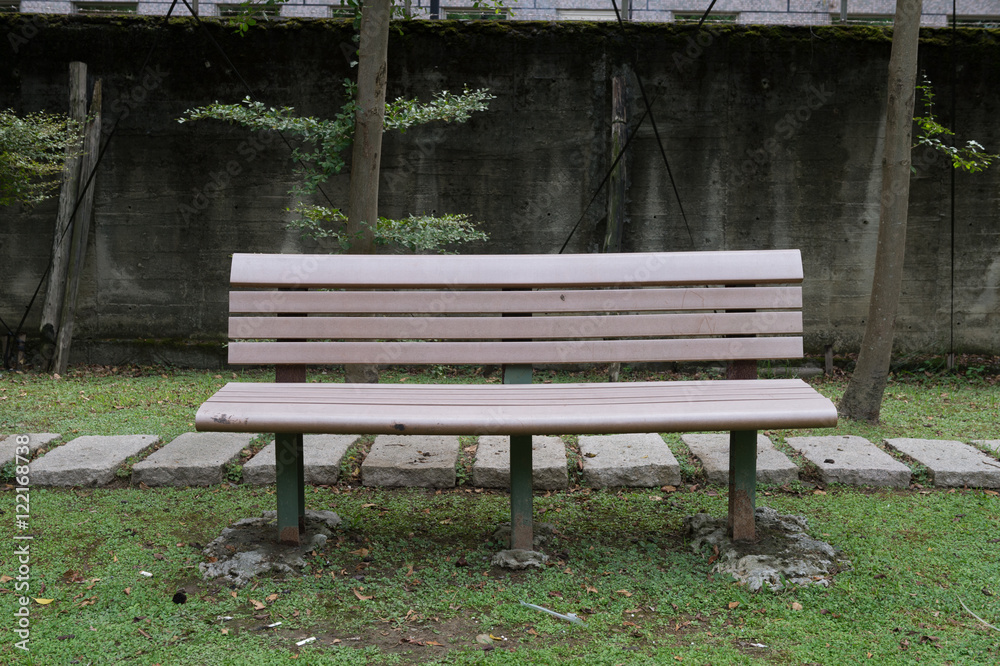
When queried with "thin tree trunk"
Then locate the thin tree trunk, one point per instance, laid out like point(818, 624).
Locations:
point(862, 400)
point(617, 185)
point(56, 287)
point(362, 214)
point(81, 230)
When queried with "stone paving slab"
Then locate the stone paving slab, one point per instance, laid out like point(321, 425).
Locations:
point(36, 440)
point(321, 457)
point(491, 468)
point(951, 463)
point(91, 460)
point(192, 459)
point(712, 450)
point(989, 444)
point(640, 460)
point(851, 460)
point(424, 461)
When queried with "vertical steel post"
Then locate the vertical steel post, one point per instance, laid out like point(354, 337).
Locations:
point(742, 462)
point(521, 500)
point(742, 484)
point(290, 487)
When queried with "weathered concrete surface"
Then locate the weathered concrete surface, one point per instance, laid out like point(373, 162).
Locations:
point(321, 457)
point(36, 440)
point(491, 468)
point(192, 459)
point(88, 461)
point(250, 547)
point(712, 450)
point(639, 460)
point(425, 461)
point(989, 444)
point(783, 552)
point(851, 460)
point(794, 145)
point(951, 463)
point(517, 558)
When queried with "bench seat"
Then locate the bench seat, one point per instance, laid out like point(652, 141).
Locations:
point(515, 409)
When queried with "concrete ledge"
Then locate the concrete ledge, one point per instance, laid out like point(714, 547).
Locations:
point(36, 440)
point(192, 459)
point(989, 444)
point(640, 460)
point(951, 463)
point(851, 460)
point(548, 463)
point(424, 461)
point(321, 457)
point(712, 450)
point(88, 461)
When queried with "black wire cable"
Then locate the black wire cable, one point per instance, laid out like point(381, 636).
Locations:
point(607, 176)
point(652, 120)
point(648, 111)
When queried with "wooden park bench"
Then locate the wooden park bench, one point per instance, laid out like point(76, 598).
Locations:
point(293, 311)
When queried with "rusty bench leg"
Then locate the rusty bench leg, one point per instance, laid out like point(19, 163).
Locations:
point(289, 474)
point(742, 484)
point(521, 533)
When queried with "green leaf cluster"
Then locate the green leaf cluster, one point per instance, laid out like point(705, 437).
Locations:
point(970, 158)
point(321, 155)
point(33, 151)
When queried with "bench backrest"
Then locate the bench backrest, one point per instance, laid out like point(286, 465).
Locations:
point(576, 308)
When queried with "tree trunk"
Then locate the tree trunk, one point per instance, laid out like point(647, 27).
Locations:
point(617, 190)
point(56, 287)
point(81, 230)
point(862, 400)
point(362, 213)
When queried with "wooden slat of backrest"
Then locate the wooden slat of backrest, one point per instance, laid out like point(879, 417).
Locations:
point(498, 353)
point(491, 328)
point(497, 302)
point(513, 271)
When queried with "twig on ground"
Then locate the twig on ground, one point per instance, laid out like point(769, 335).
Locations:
point(976, 616)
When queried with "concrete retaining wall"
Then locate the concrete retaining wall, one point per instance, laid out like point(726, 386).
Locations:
point(773, 137)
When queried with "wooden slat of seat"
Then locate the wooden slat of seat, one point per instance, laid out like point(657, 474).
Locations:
point(516, 409)
point(480, 353)
point(497, 302)
point(563, 327)
point(516, 271)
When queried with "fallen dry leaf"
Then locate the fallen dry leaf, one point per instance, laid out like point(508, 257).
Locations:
point(5, 578)
point(46, 602)
point(259, 605)
point(361, 596)
point(624, 593)
point(733, 604)
point(360, 552)
point(591, 588)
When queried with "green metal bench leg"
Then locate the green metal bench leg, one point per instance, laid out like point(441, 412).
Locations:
point(742, 484)
point(290, 479)
point(521, 509)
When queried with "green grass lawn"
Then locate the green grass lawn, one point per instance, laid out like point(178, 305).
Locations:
point(407, 579)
